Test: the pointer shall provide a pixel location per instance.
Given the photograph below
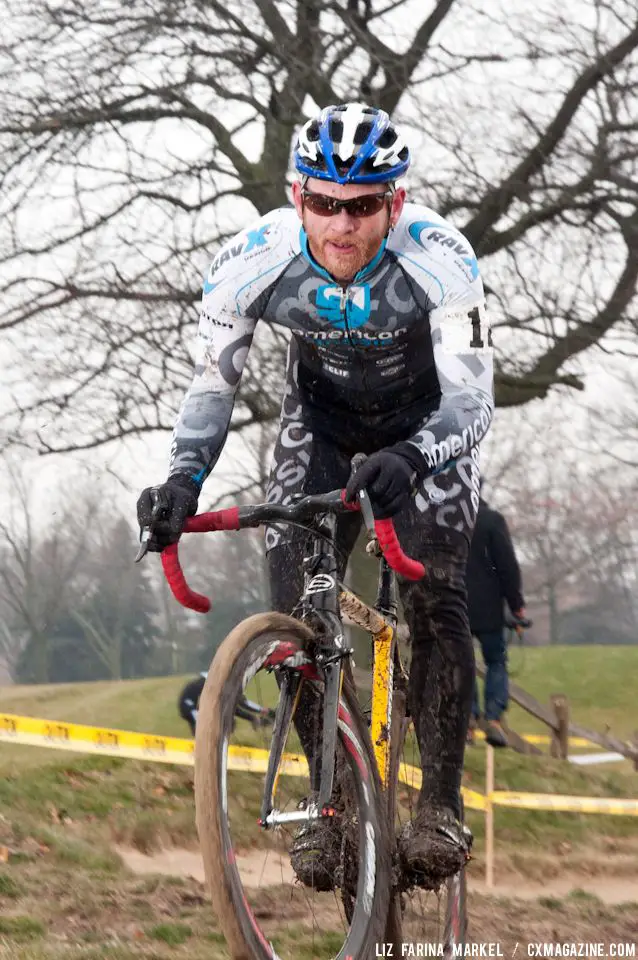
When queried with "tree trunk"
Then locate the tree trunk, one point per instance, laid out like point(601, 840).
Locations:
point(554, 626)
point(40, 658)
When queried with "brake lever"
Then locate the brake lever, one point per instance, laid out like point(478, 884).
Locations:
point(145, 536)
point(366, 512)
point(364, 500)
point(147, 532)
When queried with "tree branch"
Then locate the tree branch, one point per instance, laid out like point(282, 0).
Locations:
point(498, 201)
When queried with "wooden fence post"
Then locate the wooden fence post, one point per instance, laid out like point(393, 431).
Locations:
point(560, 735)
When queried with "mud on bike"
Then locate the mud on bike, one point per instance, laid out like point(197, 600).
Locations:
point(364, 777)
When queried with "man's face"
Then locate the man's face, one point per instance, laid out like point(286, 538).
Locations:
point(343, 244)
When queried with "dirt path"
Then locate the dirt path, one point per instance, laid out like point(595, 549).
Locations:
point(188, 863)
point(174, 862)
point(608, 889)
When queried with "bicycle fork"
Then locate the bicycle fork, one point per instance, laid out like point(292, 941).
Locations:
point(321, 601)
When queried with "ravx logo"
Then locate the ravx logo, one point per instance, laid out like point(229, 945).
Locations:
point(254, 238)
point(439, 235)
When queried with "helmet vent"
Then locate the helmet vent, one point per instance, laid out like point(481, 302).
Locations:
point(336, 131)
point(387, 138)
point(362, 133)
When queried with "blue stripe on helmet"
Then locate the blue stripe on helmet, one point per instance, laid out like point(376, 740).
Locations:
point(385, 177)
point(368, 148)
point(327, 149)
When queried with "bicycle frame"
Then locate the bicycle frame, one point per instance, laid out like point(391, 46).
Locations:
point(381, 622)
point(320, 655)
point(322, 602)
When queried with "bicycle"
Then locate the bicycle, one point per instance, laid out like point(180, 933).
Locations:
point(516, 627)
point(256, 714)
point(373, 903)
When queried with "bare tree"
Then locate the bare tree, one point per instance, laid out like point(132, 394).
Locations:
point(615, 427)
point(38, 574)
point(114, 611)
point(575, 528)
point(137, 136)
point(13, 641)
point(72, 603)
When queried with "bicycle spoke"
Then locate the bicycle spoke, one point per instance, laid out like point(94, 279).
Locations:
point(425, 913)
point(270, 903)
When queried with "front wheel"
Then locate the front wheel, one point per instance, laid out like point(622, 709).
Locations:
point(264, 911)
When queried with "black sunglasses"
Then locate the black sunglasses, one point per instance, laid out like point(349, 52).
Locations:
point(365, 206)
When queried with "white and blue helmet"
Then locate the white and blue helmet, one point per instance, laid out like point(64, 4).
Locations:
point(351, 143)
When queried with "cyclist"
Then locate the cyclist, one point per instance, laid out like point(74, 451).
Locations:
point(188, 704)
point(390, 355)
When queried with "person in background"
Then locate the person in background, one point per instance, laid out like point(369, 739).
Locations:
point(493, 578)
point(188, 705)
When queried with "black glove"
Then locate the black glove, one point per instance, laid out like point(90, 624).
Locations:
point(390, 478)
point(175, 500)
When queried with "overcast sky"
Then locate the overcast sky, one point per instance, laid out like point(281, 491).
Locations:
point(139, 463)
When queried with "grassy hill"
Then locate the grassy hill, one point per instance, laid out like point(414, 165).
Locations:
point(144, 705)
point(63, 816)
point(599, 681)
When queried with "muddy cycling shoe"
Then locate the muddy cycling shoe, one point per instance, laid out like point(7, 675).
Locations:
point(432, 847)
point(316, 852)
point(494, 734)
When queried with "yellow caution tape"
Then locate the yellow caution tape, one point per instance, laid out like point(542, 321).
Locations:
point(472, 799)
point(411, 776)
point(545, 801)
point(254, 760)
point(150, 747)
point(102, 740)
point(542, 738)
point(177, 750)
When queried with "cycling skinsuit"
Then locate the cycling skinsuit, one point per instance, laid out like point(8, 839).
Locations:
point(402, 353)
point(188, 704)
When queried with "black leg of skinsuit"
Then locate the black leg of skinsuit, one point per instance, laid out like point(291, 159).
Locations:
point(442, 668)
point(436, 529)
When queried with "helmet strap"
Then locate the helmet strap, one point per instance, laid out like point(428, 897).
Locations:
point(392, 187)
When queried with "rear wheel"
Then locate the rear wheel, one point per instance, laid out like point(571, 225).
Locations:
point(263, 910)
